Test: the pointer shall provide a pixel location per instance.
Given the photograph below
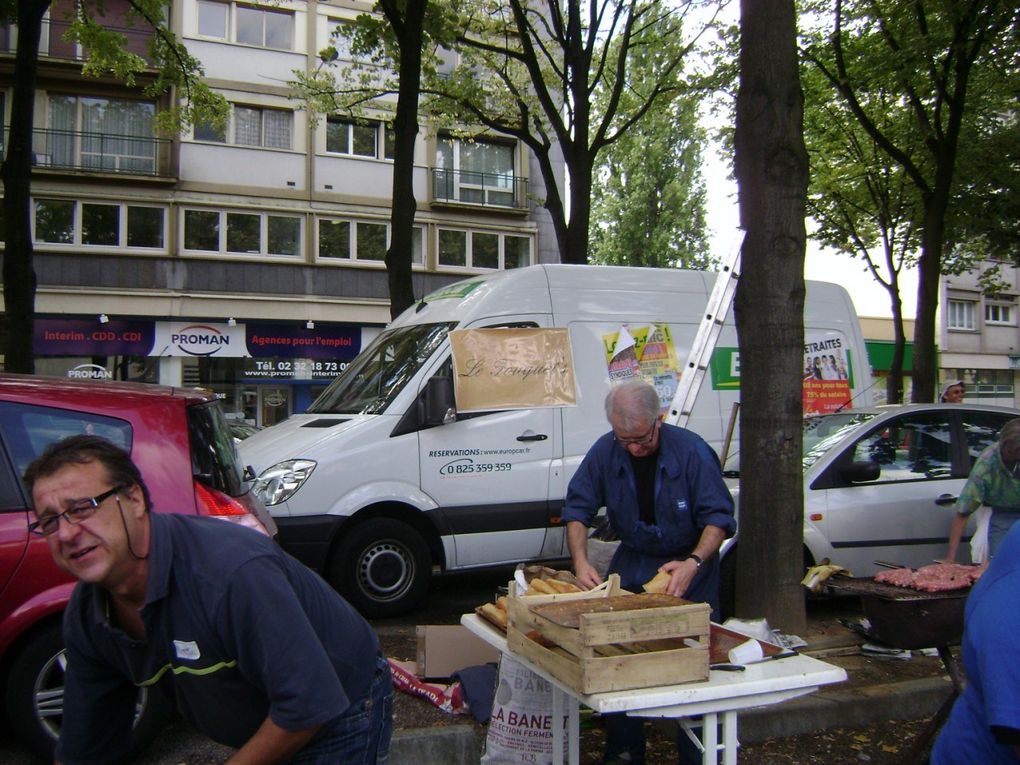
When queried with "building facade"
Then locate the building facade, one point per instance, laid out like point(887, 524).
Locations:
point(978, 334)
point(247, 260)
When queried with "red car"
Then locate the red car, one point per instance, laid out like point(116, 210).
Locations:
point(180, 441)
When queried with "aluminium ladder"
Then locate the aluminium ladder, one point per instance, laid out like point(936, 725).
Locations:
point(693, 372)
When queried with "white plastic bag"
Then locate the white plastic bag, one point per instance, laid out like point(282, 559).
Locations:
point(979, 542)
point(521, 725)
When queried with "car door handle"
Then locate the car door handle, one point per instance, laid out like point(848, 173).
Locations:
point(533, 437)
point(945, 499)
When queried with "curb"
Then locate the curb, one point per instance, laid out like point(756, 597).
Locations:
point(830, 708)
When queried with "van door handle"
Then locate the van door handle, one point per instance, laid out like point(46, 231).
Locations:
point(945, 499)
point(533, 437)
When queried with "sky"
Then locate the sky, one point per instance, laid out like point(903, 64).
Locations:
point(869, 297)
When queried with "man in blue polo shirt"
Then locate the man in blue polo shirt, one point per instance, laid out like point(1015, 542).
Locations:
point(261, 654)
point(665, 498)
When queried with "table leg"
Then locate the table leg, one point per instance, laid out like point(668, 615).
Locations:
point(557, 725)
point(710, 738)
point(565, 708)
point(729, 737)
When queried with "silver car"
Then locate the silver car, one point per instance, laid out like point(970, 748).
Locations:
point(881, 483)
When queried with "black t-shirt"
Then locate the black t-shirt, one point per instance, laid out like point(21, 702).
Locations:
point(644, 481)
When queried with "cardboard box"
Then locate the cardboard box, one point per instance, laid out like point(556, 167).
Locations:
point(445, 648)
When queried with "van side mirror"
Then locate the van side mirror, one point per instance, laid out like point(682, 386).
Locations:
point(862, 471)
point(440, 407)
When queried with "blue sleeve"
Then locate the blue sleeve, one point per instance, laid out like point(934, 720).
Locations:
point(997, 657)
point(277, 648)
point(713, 503)
point(99, 708)
point(586, 490)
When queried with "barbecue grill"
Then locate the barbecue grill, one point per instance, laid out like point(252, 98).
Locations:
point(909, 619)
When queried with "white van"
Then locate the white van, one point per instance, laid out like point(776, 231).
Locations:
point(360, 484)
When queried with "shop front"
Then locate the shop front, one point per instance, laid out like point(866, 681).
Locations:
point(262, 371)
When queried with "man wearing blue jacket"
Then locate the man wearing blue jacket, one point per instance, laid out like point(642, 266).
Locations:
point(665, 498)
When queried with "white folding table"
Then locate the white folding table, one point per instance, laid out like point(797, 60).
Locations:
point(720, 698)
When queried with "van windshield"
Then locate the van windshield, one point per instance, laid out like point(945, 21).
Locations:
point(381, 371)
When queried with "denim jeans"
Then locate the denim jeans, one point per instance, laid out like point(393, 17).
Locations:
point(361, 736)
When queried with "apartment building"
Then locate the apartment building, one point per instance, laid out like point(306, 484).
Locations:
point(979, 339)
point(248, 260)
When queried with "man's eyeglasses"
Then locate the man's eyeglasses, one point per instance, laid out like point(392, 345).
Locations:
point(75, 514)
point(644, 440)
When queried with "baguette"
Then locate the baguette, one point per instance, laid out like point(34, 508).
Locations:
point(561, 586)
point(494, 614)
point(540, 587)
point(657, 583)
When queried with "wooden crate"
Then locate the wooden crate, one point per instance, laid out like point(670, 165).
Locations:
point(656, 644)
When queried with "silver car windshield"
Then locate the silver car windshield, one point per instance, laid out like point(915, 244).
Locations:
point(381, 371)
point(821, 432)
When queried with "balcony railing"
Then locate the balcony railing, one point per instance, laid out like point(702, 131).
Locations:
point(488, 189)
point(101, 152)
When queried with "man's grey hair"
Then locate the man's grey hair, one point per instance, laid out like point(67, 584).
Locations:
point(633, 404)
point(1009, 440)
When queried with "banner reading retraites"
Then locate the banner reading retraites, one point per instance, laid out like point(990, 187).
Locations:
point(517, 368)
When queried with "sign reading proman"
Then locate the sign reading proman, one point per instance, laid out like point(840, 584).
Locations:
point(512, 369)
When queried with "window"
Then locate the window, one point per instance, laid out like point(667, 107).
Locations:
point(479, 249)
point(960, 314)
point(242, 233)
point(909, 448)
point(362, 241)
point(265, 28)
point(476, 172)
point(212, 19)
point(101, 134)
point(107, 224)
point(262, 127)
point(999, 313)
point(260, 27)
point(345, 136)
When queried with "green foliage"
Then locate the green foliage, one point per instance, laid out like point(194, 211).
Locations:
point(648, 199)
point(174, 66)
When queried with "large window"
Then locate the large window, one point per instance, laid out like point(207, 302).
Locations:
point(242, 233)
point(476, 172)
point(960, 314)
point(100, 133)
point(359, 139)
point(364, 241)
point(481, 249)
point(1000, 313)
point(262, 127)
point(261, 27)
point(99, 224)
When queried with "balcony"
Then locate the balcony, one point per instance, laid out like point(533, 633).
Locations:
point(486, 189)
point(79, 151)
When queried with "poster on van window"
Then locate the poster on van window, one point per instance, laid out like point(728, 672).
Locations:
point(828, 372)
point(647, 352)
point(518, 368)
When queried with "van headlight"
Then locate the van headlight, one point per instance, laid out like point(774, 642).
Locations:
point(278, 483)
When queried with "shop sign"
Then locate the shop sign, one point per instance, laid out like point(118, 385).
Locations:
point(294, 341)
point(293, 369)
point(87, 337)
point(89, 372)
point(178, 338)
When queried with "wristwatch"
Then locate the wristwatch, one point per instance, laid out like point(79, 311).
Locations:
point(696, 558)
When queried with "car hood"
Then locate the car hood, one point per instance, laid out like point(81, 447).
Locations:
point(297, 437)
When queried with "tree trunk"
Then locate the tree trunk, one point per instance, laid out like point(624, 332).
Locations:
point(772, 172)
point(894, 383)
point(929, 271)
point(16, 174)
point(576, 249)
point(405, 128)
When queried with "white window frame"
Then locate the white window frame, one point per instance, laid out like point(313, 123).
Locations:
point(262, 252)
point(504, 183)
point(960, 315)
point(380, 129)
point(263, 112)
point(77, 226)
point(230, 31)
point(469, 257)
point(1000, 314)
point(417, 257)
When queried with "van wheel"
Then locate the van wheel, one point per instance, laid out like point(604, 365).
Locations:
point(35, 697)
point(382, 567)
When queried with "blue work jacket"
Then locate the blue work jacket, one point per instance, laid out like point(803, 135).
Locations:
point(690, 494)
